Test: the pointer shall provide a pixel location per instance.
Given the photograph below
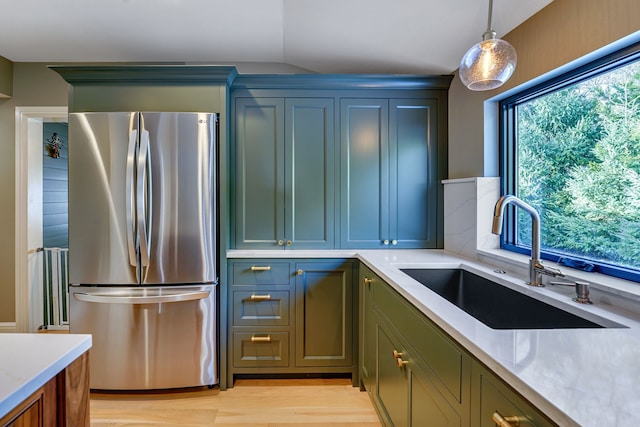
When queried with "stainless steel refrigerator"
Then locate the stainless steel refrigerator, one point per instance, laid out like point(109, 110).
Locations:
point(143, 247)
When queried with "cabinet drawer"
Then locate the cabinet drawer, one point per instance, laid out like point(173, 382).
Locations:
point(444, 358)
point(260, 272)
point(495, 397)
point(260, 349)
point(261, 308)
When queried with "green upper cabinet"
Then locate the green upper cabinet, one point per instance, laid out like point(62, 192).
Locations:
point(390, 173)
point(337, 161)
point(284, 173)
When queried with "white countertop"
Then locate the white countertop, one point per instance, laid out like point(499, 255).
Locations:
point(577, 377)
point(28, 361)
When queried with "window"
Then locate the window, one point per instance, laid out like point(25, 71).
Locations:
point(570, 147)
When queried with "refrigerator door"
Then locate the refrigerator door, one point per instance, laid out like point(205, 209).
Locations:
point(102, 242)
point(178, 216)
point(148, 337)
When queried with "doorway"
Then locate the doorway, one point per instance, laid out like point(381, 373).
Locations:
point(29, 212)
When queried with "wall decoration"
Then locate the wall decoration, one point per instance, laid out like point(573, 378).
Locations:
point(54, 145)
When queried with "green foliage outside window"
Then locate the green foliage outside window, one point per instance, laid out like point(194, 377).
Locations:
point(578, 163)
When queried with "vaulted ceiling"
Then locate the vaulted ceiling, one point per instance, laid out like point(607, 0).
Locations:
point(325, 36)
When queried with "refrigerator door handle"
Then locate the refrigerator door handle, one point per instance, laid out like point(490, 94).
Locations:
point(146, 299)
point(129, 196)
point(144, 201)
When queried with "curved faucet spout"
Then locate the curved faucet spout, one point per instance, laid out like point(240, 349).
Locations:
point(536, 269)
point(498, 215)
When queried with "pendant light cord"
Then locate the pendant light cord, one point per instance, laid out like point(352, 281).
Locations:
point(490, 13)
point(489, 34)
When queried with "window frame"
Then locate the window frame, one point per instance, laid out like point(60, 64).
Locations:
point(508, 149)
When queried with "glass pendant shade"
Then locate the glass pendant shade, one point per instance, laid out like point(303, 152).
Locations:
point(488, 64)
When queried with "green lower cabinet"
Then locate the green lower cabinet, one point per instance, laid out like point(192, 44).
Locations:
point(416, 375)
point(405, 388)
point(405, 393)
point(291, 316)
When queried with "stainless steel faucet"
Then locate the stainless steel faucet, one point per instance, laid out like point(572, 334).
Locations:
point(536, 268)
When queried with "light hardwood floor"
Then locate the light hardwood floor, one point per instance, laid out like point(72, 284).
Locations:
point(255, 403)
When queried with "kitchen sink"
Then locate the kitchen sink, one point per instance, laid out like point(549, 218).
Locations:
point(495, 305)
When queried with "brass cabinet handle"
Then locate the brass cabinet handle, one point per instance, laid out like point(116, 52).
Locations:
point(261, 339)
point(510, 421)
point(398, 356)
point(300, 272)
point(385, 242)
point(289, 242)
point(366, 281)
point(255, 297)
point(394, 242)
point(401, 362)
point(280, 242)
point(260, 267)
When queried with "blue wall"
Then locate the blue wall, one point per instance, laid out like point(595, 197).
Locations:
point(55, 190)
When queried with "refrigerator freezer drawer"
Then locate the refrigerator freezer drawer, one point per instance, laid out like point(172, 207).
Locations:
point(148, 337)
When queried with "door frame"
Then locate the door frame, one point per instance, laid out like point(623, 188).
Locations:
point(28, 146)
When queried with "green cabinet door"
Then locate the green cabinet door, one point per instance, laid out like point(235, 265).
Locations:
point(259, 173)
point(390, 173)
point(365, 172)
point(413, 173)
point(406, 390)
point(284, 173)
point(324, 313)
point(391, 389)
point(309, 173)
point(427, 406)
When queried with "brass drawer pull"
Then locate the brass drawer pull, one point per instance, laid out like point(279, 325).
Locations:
point(401, 362)
point(261, 339)
point(511, 421)
point(260, 268)
point(398, 356)
point(255, 297)
point(367, 281)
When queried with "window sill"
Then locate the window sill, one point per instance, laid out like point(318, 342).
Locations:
point(623, 294)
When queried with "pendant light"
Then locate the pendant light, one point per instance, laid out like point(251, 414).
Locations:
point(488, 64)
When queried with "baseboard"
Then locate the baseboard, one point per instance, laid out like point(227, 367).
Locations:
point(7, 326)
